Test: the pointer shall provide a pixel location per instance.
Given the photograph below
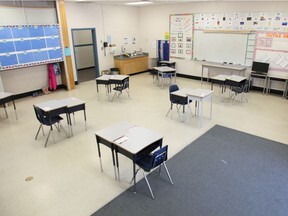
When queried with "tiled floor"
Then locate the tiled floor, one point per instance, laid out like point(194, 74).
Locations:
point(66, 175)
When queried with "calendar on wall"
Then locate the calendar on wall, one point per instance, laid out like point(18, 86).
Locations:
point(28, 45)
point(181, 36)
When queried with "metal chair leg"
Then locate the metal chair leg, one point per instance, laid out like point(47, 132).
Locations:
point(148, 185)
point(166, 169)
point(41, 126)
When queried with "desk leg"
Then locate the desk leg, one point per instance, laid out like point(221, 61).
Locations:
point(134, 175)
point(85, 118)
point(113, 158)
point(4, 105)
point(15, 109)
point(202, 74)
point(68, 116)
point(211, 102)
point(201, 113)
point(99, 154)
point(117, 164)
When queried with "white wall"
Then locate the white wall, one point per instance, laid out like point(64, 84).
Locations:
point(117, 21)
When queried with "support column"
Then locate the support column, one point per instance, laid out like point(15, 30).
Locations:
point(67, 75)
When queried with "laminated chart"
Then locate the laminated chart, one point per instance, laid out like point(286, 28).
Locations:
point(272, 47)
point(181, 36)
point(29, 45)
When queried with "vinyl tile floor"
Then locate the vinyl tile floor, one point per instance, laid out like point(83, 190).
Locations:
point(65, 178)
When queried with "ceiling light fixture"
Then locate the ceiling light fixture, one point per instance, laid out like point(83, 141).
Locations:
point(139, 3)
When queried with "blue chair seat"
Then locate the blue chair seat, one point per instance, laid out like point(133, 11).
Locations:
point(148, 162)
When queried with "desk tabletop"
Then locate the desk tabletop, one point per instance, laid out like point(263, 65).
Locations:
point(200, 93)
point(136, 138)
point(164, 69)
point(111, 77)
point(118, 77)
point(5, 94)
point(220, 77)
point(70, 102)
point(167, 62)
point(236, 78)
point(225, 66)
point(59, 103)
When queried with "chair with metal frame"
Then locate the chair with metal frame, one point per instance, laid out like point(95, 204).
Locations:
point(120, 88)
point(177, 100)
point(156, 159)
point(49, 119)
point(240, 91)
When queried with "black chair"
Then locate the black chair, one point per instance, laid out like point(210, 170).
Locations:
point(177, 100)
point(49, 119)
point(240, 91)
point(119, 88)
point(154, 160)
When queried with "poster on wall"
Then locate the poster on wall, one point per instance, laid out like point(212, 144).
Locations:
point(29, 45)
point(242, 21)
point(272, 47)
point(181, 36)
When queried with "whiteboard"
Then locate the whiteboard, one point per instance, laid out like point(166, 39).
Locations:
point(220, 47)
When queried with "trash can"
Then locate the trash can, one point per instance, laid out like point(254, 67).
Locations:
point(114, 71)
point(105, 72)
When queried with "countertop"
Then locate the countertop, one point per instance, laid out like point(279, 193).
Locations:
point(123, 57)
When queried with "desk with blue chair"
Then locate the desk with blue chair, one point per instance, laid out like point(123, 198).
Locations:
point(165, 72)
point(109, 80)
point(48, 113)
point(129, 140)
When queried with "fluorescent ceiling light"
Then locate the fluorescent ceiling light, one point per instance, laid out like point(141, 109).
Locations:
point(139, 3)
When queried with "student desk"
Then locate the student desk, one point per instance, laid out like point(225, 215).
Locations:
point(130, 140)
point(199, 95)
point(167, 63)
point(163, 71)
point(6, 97)
point(107, 80)
point(228, 67)
point(64, 106)
point(278, 78)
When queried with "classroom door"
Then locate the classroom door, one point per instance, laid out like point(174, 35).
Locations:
point(85, 54)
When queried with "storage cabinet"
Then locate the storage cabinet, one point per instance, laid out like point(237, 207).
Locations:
point(131, 65)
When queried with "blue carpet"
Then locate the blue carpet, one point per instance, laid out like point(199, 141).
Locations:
point(223, 173)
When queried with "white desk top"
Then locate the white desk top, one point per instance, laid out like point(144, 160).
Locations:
point(118, 77)
point(236, 78)
point(164, 69)
point(56, 104)
point(220, 77)
point(168, 62)
point(226, 66)
point(70, 102)
point(200, 93)
point(114, 77)
point(135, 138)
point(5, 94)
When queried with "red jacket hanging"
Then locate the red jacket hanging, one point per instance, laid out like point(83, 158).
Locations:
point(52, 77)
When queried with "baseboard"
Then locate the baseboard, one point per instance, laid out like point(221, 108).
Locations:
point(38, 91)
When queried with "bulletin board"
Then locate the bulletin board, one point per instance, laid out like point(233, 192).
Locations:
point(272, 47)
point(181, 36)
point(28, 45)
point(242, 21)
